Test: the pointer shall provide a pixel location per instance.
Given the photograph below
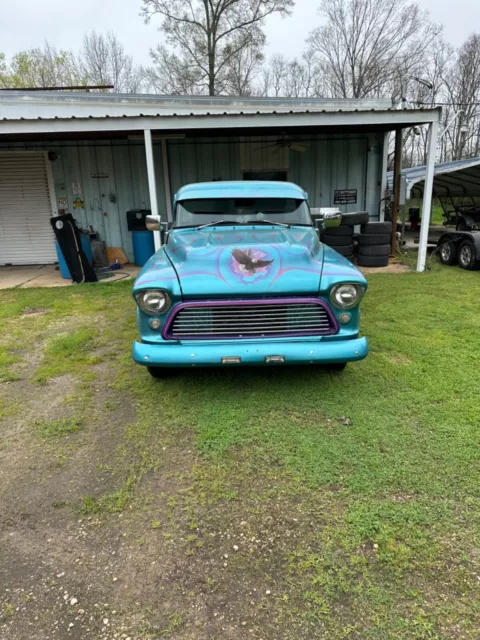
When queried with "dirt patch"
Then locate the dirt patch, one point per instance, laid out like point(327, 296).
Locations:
point(33, 312)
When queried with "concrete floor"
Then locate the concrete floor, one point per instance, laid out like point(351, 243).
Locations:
point(49, 276)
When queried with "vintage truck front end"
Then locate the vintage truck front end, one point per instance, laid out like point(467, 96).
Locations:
point(251, 290)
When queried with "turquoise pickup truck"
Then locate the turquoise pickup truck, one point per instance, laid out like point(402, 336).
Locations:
point(243, 279)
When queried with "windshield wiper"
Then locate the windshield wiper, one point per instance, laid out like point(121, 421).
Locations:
point(218, 222)
point(277, 224)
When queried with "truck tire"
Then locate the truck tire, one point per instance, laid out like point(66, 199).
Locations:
point(372, 261)
point(337, 241)
point(161, 372)
point(377, 227)
point(356, 217)
point(448, 251)
point(342, 230)
point(346, 250)
point(374, 250)
point(373, 239)
point(467, 258)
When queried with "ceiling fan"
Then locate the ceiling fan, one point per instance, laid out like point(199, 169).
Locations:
point(285, 143)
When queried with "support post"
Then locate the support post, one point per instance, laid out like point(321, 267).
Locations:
point(152, 187)
point(427, 196)
point(166, 180)
point(383, 183)
point(397, 168)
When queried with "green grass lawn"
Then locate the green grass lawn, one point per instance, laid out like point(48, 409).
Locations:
point(365, 486)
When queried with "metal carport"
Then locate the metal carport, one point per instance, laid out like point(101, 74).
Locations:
point(30, 118)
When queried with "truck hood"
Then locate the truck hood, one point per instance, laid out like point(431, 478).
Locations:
point(243, 261)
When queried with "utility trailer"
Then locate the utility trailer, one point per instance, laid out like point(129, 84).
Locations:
point(460, 247)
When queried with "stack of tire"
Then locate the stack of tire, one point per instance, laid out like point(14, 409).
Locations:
point(341, 238)
point(374, 244)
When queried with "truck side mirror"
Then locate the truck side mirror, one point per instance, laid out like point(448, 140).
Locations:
point(319, 225)
point(153, 223)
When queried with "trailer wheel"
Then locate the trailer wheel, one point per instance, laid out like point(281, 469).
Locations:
point(449, 252)
point(466, 256)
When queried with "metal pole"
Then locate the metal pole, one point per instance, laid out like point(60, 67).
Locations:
point(427, 196)
point(152, 187)
point(396, 185)
point(383, 186)
point(166, 180)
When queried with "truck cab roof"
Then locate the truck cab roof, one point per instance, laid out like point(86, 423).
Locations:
point(241, 189)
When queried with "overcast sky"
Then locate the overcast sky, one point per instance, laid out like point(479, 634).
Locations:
point(29, 23)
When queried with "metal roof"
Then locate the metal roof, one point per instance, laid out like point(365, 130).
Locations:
point(50, 104)
point(454, 179)
point(23, 112)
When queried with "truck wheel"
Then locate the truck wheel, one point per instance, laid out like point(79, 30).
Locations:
point(342, 230)
point(160, 372)
point(448, 252)
point(354, 218)
point(372, 261)
point(337, 241)
point(374, 250)
point(466, 256)
point(462, 225)
point(377, 227)
point(373, 238)
point(345, 251)
point(337, 366)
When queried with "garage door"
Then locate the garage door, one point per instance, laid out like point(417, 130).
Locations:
point(26, 236)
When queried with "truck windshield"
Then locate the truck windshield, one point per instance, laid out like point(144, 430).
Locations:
point(194, 213)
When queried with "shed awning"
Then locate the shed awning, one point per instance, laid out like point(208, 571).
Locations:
point(460, 178)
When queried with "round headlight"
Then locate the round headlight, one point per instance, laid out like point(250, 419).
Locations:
point(346, 296)
point(153, 301)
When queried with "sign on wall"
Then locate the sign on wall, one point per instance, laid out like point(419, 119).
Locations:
point(345, 196)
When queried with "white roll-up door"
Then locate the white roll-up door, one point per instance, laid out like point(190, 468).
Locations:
point(26, 236)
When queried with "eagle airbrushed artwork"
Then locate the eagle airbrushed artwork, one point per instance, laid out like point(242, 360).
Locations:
point(242, 279)
point(249, 262)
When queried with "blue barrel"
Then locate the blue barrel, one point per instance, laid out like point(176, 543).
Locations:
point(143, 246)
point(87, 250)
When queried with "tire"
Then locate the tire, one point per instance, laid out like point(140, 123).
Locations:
point(356, 217)
point(462, 225)
point(346, 250)
point(372, 261)
point(336, 366)
point(373, 239)
point(377, 227)
point(337, 241)
point(342, 230)
point(448, 251)
point(467, 258)
point(375, 250)
point(160, 372)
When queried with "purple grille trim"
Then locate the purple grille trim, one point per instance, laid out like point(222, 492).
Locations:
point(167, 335)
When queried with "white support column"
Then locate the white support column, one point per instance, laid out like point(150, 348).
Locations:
point(166, 180)
point(427, 196)
point(383, 184)
point(152, 188)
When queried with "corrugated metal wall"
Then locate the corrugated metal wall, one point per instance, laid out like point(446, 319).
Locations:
point(328, 163)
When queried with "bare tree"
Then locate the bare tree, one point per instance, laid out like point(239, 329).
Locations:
point(103, 61)
point(365, 42)
point(242, 70)
point(208, 35)
point(292, 78)
point(463, 96)
point(172, 75)
point(42, 67)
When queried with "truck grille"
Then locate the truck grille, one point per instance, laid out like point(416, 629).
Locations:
point(250, 319)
